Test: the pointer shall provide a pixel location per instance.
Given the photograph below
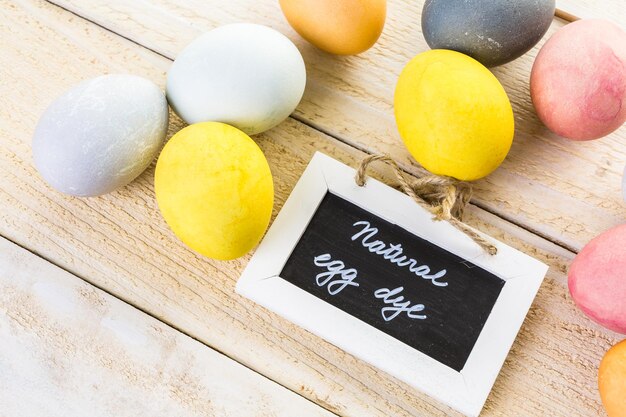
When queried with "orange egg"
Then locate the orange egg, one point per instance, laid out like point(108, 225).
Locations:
point(612, 380)
point(342, 27)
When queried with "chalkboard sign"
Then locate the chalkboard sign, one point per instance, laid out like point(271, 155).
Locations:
point(403, 285)
point(370, 271)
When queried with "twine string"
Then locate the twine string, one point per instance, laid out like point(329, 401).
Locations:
point(446, 198)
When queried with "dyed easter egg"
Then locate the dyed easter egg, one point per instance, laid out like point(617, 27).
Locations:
point(249, 76)
point(493, 32)
point(214, 188)
point(612, 380)
point(624, 184)
point(578, 81)
point(342, 27)
point(101, 134)
point(597, 279)
point(453, 115)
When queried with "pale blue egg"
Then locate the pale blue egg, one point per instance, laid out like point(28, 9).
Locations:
point(101, 134)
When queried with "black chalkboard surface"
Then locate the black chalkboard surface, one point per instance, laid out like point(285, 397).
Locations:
point(403, 285)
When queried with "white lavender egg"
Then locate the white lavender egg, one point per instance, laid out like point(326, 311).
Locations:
point(101, 134)
point(245, 75)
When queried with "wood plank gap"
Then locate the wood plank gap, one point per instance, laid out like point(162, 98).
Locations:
point(530, 230)
point(165, 322)
point(72, 12)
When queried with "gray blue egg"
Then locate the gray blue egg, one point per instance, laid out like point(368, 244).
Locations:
point(493, 32)
point(101, 134)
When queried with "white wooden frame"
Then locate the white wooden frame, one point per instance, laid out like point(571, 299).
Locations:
point(465, 391)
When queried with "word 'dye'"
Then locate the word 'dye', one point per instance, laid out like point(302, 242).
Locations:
point(398, 304)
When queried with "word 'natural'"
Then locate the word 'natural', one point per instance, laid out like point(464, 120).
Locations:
point(394, 254)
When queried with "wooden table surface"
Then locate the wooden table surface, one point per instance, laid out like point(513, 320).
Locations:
point(104, 312)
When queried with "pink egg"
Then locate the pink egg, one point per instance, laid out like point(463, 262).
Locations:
point(624, 184)
point(597, 279)
point(578, 81)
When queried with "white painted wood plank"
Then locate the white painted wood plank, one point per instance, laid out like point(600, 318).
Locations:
point(614, 10)
point(69, 349)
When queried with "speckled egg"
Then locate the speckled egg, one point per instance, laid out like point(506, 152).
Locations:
point(453, 115)
point(493, 32)
point(342, 27)
point(246, 75)
point(612, 380)
point(101, 134)
point(597, 279)
point(214, 188)
point(578, 81)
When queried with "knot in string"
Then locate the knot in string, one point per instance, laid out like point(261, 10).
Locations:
point(444, 197)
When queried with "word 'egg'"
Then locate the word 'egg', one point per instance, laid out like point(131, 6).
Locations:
point(214, 188)
point(597, 279)
point(246, 75)
point(341, 27)
point(101, 134)
point(453, 115)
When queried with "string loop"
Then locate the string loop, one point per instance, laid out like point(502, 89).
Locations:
point(445, 197)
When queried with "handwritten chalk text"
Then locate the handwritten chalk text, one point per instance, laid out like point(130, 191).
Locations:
point(394, 254)
point(334, 268)
point(398, 305)
point(337, 277)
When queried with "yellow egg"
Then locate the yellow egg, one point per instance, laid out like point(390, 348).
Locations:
point(453, 115)
point(342, 27)
point(214, 188)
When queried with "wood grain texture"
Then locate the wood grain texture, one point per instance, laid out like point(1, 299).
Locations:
point(568, 192)
point(120, 243)
point(614, 10)
point(69, 349)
